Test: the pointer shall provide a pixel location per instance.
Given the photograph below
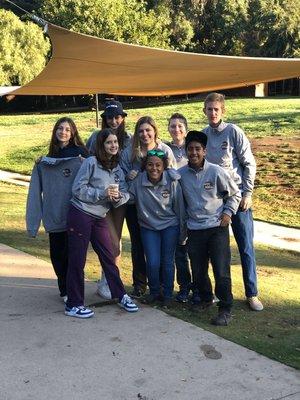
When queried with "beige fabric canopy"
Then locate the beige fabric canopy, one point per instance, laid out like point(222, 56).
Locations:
point(83, 64)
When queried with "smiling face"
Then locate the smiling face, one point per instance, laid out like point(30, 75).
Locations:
point(147, 135)
point(115, 121)
point(155, 168)
point(111, 145)
point(214, 111)
point(177, 130)
point(63, 134)
point(195, 153)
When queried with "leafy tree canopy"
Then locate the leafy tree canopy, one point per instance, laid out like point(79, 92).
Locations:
point(23, 50)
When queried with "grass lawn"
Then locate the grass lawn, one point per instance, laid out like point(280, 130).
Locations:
point(273, 332)
point(273, 126)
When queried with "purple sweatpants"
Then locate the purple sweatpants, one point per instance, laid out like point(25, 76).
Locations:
point(82, 229)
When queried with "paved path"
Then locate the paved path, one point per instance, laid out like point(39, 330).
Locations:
point(115, 355)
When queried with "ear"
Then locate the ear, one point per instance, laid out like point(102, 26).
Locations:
point(204, 110)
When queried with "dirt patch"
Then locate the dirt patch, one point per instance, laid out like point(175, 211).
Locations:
point(271, 143)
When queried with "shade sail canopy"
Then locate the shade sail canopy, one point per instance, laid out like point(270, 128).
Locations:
point(83, 64)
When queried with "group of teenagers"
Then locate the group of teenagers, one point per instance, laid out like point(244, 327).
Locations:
point(178, 199)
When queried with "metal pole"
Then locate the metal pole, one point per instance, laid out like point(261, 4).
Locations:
point(97, 110)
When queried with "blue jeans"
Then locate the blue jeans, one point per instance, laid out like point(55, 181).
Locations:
point(183, 274)
point(242, 227)
point(211, 244)
point(159, 247)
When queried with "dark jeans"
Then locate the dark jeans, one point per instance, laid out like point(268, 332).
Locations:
point(242, 227)
point(137, 250)
point(213, 244)
point(183, 275)
point(59, 257)
point(82, 229)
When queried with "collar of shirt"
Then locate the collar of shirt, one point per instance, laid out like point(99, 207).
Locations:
point(220, 127)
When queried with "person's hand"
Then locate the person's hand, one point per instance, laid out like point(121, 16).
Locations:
point(112, 192)
point(38, 159)
point(132, 174)
point(81, 158)
point(245, 203)
point(225, 219)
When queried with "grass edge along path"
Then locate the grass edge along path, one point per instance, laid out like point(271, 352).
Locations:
point(273, 332)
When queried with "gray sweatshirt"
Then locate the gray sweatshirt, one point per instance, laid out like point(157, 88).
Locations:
point(90, 184)
point(158, 206)
point(127, 165)
point(229, 147)
point(208, 194)
point(179, 154)
point(49, 194)
point(91, 142)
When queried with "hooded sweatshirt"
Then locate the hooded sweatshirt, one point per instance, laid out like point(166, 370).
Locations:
point(49, 194)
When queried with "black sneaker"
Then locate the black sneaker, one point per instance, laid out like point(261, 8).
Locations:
point(150, 299)
point(182, 296)
point(222, 319)
point(166, 303)
point(137, 293)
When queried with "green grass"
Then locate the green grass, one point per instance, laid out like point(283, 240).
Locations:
point(26, 137)
point(273, 332)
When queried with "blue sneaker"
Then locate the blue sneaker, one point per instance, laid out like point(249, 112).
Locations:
point(128, 304)
point(79, 312)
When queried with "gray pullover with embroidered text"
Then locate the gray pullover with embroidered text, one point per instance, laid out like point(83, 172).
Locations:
point(90, 184)
point(49, 194)
point(208, 193)
point(228, 146)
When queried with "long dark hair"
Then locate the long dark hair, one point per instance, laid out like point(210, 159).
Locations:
point(120, 132)
point(100, 153)
point(74, 140)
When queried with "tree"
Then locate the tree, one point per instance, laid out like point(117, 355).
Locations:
point(273, 28)
point(23, 50)
point(122, 20)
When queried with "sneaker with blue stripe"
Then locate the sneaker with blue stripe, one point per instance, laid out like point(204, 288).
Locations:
point(79, 312)
point(128, 304)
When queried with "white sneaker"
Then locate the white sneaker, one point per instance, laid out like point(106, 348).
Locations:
point(103, 289)
point(79, 312)
point(128, 304)
point(255, 304)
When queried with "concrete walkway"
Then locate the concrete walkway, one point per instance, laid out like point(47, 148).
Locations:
point(115, 355)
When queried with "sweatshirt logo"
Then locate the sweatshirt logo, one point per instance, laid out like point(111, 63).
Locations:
point(117, 178)
point(66, 172)
point(208, 185)
point(224, 145)
point(165, 193)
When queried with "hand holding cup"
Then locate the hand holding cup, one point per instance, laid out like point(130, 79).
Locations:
point(113, 192)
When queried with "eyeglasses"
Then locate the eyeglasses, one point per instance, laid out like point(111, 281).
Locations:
point(157, 153)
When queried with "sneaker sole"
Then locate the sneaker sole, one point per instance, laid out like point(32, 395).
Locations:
point(79, 316)
point(131, 310)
